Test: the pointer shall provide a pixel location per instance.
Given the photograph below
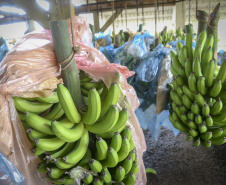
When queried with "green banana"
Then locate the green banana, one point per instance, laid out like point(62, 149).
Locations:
point(112, 158)
point(216, 89)
point(106, 123)
point(217, 132)
point(206, 135)
point(66, 123)
point(184, 118)
point(38, 123)
point(22, 105)
point(37, 151)
point(124, 150)
point(201, 85)
point(188, 67)
point(135, 167)
point(179, 46)
point(186, 101)
point(55, 172)
point(189, 138)
point(195, 108)
point(197, 53)
point(174, 81)
point(50, 144)
point(209, 73)
point(188, 43)
point(176, 63)
point(191, 124)
point(110, 99)
point(180, 126)
point(216, 108)
point(172, 54)
point(192, 82)
point(173, 71)
point(67, 104)
point(68, 135)
point(205, 143)
point(50, 99)
point(56, 112)
point(199, 100)
point(202, 128)
point(209, 121)
point(61, 164)
point(119, 174)
point(33, 134)
point(196, 68)
point(174, 116)
point(42, 167)
point(67, 180)
point(122, 119)
point(127, 164)
point(191, 116)
point(94, 107)
point(132, 144)
point(218, 141)
point(205, 110)
point(95, 165)
point(105, 175)
point(131, 179)
point(196, 141)
point(193, 132)
point(84, 92)
point(102, 149)
point(97, 181)
point(84, 77)
point(198, 119)
point(183, 55)
point(179, 91)
point(180, 80)
point(127, 133)
point(206, 58)
point(116, 142)
point(80, 149)
point(209, 43)
point(201, 40)
point(89, 85)
point(21, 116)
point(86, 158)
point(189, 93)
point(175, 97)
point(222, 72)
point(173, 104)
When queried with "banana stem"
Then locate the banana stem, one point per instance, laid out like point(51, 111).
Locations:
point(63, 49)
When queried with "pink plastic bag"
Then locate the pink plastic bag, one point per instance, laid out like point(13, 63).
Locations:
point(30, 69)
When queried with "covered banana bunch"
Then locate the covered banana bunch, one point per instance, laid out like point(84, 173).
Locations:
point(94, 138)
point(198, 93)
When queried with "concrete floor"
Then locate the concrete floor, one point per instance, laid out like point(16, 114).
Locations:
point(178, 162)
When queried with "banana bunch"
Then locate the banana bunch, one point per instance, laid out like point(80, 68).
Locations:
point(198, 93)
point(94, 137)
point(165, 38)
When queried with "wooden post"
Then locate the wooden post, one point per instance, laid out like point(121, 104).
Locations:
point(63, 49)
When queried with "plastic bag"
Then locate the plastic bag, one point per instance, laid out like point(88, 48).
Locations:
point(8, 172)
point(3, 48)
point(30, 69)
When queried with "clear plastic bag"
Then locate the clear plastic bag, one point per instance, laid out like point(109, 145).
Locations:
point(30, 69)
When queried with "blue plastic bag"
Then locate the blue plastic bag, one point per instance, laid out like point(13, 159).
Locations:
point(3, 49)
point(8, 173)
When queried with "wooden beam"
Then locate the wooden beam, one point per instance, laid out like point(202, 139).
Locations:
point(110, 20)
point(13, 19)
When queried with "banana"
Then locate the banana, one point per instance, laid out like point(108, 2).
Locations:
point(135, 168)
point(97, 181)
point(68, 135)
point(176, 63)
point(37, 151)
point(188, 67)
point(179, 46)
point(67, 104)
point(206, 135)
point(189, 93)
point(116, 142)
point(206, 58)
point(38, 123)
point(88, 178)
point(55, 172)
point(50, 144)
point(189, 138)
point(186, 101)
point(173, 104)
point(33, 134)
point(184, 118)
point(127, 133)
point(192, 82)
point(123, 117)
point(218, 141)
point(80, 149)
point(56, 112)
point(132, 144)
point(201, 39)
point(61, 164)
point(131, 179)
point(51, 99)
point(175, 97)
point(191, 116)
point(209, 43)
point(94, 107)
point(205, 143)
point(201, 85)
point(180, 80)
point(183, 109)
point(196, 141)
point(183, 74)
point(84, 77)
point(222, 72)
point(216, 89)
point(188, 43)
point(21, 116)
point(202, 128)
point(102, 149)
point(127, 164)
point(132, 154)
point(106, 123)
point(86, 158)
point(95, 165)
point(119, 174)
point(67, 180)
point(124, 150)
point(174, 81)
point(66, 123)
point(209, 73)
point(217, 132)
point(198, 119)
point(84, 92)
point(196, 68)
point(110, 99)
point(209, 121)
point(105, 175)
point(197, 53)
point(180, 126)
point(183, 55)
point(179, 91)
point(112, 158)
point(216, 108)
point(173, 71)
point(205, 110)
point(89, 85)
point(199, 100)
point(42, 167)
point(178, 112)
point(22, 105)
point(191, 124)
point(62, 152)
point(195, 108)
point(193, 132)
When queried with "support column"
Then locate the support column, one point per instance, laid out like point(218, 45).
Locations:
point(180, 14)
point(30, 25)
point(96, 22)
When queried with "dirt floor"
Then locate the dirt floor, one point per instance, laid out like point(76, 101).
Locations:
point(178, 162)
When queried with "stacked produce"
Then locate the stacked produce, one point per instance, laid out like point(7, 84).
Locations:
point(94, 138)
point(198, 92)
